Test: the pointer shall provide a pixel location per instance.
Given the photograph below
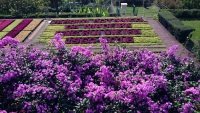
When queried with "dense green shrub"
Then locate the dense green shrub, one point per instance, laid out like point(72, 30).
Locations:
point(186, 13)
point(180, 4)
point(65, 15)
point(19, 7)
point(5, 16)
point(174, 25)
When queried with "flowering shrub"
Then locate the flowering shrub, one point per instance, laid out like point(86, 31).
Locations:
point(76, 80)
point(8, 40)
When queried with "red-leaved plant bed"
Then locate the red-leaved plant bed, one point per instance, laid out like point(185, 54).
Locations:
point(97, 20)
point(4, 24)
point(93, 26)
point(99, 32)
point(96, 40)
point(19, 28)
point(77, 81)
point(98, 29)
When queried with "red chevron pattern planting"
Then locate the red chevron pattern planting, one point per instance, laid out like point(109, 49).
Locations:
point(19, 28)
point(5, 23)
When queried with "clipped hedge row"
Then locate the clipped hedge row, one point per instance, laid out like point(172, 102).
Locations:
point(67, 15)
point(186, 13)
point(174, 25)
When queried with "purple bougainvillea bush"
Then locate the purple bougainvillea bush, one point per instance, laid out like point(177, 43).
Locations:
point(78, 81)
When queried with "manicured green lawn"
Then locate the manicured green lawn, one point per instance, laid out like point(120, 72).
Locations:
point(147, 12)
point(196, 24)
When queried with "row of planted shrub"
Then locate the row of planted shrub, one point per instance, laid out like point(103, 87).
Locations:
point(10, 27)
point(135, 41)
point(108, 20)
point(19, 28)
point(174, 25)
point(5, 23)
point(186, 13)
point(66, 15)
point(28, 29)
point(98, 32)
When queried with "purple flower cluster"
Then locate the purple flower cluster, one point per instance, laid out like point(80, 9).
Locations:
point(77, 80)
point(105, 45)
point(44, 92)
point(8, 41)
point(58, 42)
point(87, 52)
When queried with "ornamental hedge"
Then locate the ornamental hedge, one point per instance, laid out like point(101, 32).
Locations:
point(174, 25)
point(186, 13)
point(67, 15)
point(78, 81)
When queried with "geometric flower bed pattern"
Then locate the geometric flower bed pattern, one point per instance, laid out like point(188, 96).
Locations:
point(18, 29)
point(128, 31)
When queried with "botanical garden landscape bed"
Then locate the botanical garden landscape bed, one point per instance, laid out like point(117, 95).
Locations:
point(87, 30)
point(19, 29)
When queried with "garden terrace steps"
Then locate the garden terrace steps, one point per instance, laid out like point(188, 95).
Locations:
point(43, 27)
point(76, 31)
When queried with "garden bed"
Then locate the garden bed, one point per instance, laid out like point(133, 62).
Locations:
point(19, 29)
point(129, 31)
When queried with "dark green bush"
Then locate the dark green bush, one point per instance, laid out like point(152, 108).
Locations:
point(52, 10)
point(186, 13)
point(52, 15)
point(41, 15)
point(174, 25)
point(5, 16)
point(182, 32)
point(32, 16)
point(65, 15)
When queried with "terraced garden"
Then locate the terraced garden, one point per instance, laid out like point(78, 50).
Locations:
point(126, 31)
point(19, 29)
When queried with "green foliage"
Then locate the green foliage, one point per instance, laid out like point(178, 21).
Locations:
point(186, 13)
point(180, 4)
point(155, 16)
point(148, 40)
point(135, 12)
point(105, 12)
point(2, 34)
point(20, 7)
point(6, 16)
point(53, 15)
point(49, 33)
point(194, 37)
point(183, 31)
point(80, 10)
point(174, 25)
